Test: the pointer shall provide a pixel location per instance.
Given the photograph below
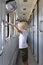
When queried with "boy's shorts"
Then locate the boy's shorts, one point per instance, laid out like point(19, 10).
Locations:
point(24, 54)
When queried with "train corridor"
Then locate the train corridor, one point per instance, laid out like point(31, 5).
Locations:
point(13, 12)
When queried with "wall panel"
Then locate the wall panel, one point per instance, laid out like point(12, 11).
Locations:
point(40, 33)
point(10, 51)
point(35, 32)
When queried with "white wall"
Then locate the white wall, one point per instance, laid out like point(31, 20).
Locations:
point(10, 51)
point(2, 28)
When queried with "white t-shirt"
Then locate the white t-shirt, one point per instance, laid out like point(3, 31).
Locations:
point(22, 39)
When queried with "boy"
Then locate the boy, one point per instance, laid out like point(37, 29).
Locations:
point(23, 46)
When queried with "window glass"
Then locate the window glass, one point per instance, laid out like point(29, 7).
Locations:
point(7, 26)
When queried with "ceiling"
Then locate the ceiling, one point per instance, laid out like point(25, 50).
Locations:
point(24, 9)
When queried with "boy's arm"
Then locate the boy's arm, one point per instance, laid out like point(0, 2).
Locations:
point(14, 26)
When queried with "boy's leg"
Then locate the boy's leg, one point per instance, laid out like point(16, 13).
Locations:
point(26, 62)
point(24, 54)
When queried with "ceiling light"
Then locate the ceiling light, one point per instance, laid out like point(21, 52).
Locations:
point(24, 8)
point(24, 0)
point(23, 13)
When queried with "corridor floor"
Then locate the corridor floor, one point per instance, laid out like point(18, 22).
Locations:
point(31, 60)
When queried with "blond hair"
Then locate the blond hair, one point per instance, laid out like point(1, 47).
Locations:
point(22, 25)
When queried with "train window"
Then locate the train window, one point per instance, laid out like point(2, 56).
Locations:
point(12, 19)
point(16, 22)
point(7, 26)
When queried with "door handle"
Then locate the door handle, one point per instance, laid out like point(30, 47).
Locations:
point(1, 51)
